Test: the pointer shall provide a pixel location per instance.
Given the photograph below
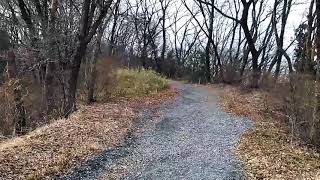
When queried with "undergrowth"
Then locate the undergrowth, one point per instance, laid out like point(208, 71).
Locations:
point(269, 150)
point(133, 83)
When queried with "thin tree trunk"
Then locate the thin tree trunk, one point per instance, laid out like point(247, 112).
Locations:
point(19, 121)
point(315, 124)
point(309, 58)
point(278, 67)
point(244, 60)
point(50, 87)
point(71, 85)
point(208, 46)
point(114, 27)
point(92, 67)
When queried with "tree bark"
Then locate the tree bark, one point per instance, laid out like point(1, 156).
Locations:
point(208, 46)
point(92, 67)
point(256, 72)
point(20, 119)
point(114, 26)
point(50, 87)
point(315, 124)
point(307, 65)
point(164, 6)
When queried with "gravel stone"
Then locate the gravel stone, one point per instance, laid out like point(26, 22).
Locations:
point(193, 138)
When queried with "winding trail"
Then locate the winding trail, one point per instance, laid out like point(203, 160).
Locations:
point(192, 138)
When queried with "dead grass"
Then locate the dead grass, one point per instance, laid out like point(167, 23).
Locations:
point(51, 149)
point(58, 147)
point(268, 150)
point(133, 83)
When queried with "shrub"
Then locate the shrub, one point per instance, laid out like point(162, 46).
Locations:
point(106, 76)
point(33, 106)
point(230, 73)
point(297, 96)
point(135, 83)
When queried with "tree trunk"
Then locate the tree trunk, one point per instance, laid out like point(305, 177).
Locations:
point(244, 60)
point(144, 53)
point(315, 124)
point(71, 85)
point(256, 72)
point(87, 30)
point(307, 66)
point(92, 67)
point(164, 6)
point(113, 30)
point(208, 46)
point(20, 120)
point(50, 87)
point(207, 62)
point(278, 67)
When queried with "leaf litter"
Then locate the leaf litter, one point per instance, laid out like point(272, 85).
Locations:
point(268, 151)
point(59, 147)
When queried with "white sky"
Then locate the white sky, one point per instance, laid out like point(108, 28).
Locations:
point(297, 16)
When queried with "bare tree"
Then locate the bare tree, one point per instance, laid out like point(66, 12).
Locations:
point(87, 29)
point(286, 7)
point(315, 122)
point(164, 8)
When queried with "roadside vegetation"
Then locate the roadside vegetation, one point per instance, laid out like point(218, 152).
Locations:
point(272, 149)
point(133, 83)
point(59, 147)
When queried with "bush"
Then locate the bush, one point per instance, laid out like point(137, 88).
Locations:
point(135, 83)
point(7, 109)
point(32, 105)
point(297, 96)
point(230, 73)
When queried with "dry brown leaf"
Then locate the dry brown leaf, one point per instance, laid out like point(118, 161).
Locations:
point(268, 150)
point(59, 147)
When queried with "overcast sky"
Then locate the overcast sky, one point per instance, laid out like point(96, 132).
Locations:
point(297, 16)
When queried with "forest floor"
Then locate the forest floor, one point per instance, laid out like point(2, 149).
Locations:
point(268, 150)
point(58, 148)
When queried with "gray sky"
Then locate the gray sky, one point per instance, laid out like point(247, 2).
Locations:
point(296, 17)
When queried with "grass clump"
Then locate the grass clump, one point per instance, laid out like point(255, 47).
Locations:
point(137, 83)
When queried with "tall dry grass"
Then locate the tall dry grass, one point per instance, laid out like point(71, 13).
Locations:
point(134, 83)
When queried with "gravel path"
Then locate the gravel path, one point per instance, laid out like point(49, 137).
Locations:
point(192, 138)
